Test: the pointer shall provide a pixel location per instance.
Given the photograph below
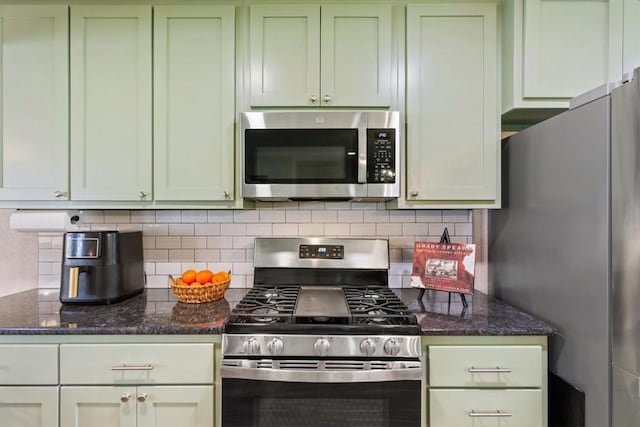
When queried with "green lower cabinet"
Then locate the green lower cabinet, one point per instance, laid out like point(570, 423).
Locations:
point(486, 408)
point(142, 406)
point(29, 406)
point(485, 381)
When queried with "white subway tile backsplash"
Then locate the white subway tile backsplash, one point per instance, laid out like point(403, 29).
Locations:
point(155, 229)
point(272, 216)
point(365, 230)
point(206, 229)
point(243, 242)
point(350, 216)
point(129, 227)
point(169, 216)
point(415, 228)
point(324, 216)
point(311, 229)
point(220, 242)
point(284, 230)
point(181, 255)
point(143, 217)
point(207, 255)
point(376, 216)
point(402, 216)
point(155, 255)
point(233, 229)
point(299, 216)
point(337, 230)
point(219, 216)
point(175, 241)
point(463, 229)
point(189, 242)
point(116, 217)
point(232, 255)
point(194, 217)
point(388, 229)
point(456, 216)
point(429, 216)
point(181, 229)
point(259, 230)
point(164, 242)
point(246, 216)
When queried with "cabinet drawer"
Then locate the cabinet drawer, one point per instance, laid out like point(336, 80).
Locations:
point(27, 364)
point(136, 363)
point(485, 366)
point(486, 408)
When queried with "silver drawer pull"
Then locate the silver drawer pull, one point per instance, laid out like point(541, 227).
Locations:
point(496, 370)
point(498, 413)
point(132, 368)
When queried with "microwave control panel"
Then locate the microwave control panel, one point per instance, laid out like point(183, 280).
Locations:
point(381, 156)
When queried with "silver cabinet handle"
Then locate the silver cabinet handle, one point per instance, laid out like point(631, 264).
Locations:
point(498, 413)
point(496, 370)
point(313, 99)
point(59, 194)
point(226, 194)
point(142, 397)
point(326, 98)
point(414, 194)
point(124, 367)
point(142, 194)
point(125, 398)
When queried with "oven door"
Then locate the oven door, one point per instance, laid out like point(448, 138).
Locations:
point(305, 393)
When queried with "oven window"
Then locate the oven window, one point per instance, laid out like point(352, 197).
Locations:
point(254, 403)
point(301, 156)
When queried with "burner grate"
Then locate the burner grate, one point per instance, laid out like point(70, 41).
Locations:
point(266, 305)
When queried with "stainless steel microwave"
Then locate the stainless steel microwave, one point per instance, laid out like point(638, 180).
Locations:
point(315, 155)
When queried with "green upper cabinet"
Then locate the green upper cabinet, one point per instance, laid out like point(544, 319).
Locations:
point(194, 109)
point(554, 50)
point(452, 149)
point(311, 56)
point(631, 36)
point(111, 103)
point(34, 143)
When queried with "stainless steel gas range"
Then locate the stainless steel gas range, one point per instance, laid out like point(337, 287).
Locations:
point(320, 340)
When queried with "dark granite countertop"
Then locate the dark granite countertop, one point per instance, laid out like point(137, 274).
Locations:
point(156, 312)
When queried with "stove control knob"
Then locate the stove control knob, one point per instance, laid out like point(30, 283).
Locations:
point(322, 346)
point(367, 346)
point(275, 346)
point(251, 346)
point(391, 347)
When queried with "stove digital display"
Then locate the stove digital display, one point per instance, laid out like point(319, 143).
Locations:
point(321, 251)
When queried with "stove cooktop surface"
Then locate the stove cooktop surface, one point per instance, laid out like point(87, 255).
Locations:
point(290, 309)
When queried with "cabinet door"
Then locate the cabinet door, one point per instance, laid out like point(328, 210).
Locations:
point(567, 47)
point(185, 406)
point(97, 406)
point(285, 55)
point(356, 55)
point(34, 144)
point(29, 406)
point(111, 102)
point(193, 102)
point(631, 36)
point(452, 112)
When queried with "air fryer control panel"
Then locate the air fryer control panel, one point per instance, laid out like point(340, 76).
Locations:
point(381, 156)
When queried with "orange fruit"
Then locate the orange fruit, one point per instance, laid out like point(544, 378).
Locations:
point(220, 277)
point(204, 276)
point(188, 277)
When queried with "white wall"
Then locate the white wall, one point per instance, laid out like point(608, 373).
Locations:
point(18, 258)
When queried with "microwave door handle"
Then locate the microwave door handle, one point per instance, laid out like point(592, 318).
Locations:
point(362, 154)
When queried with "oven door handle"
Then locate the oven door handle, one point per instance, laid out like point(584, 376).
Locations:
point(322, 376)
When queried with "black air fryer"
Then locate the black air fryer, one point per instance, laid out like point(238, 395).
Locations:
point(101, 267)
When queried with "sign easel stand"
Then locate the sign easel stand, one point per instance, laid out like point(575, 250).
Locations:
point(445, 239)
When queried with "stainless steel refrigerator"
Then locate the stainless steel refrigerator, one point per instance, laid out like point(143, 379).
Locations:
point(566, 245)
